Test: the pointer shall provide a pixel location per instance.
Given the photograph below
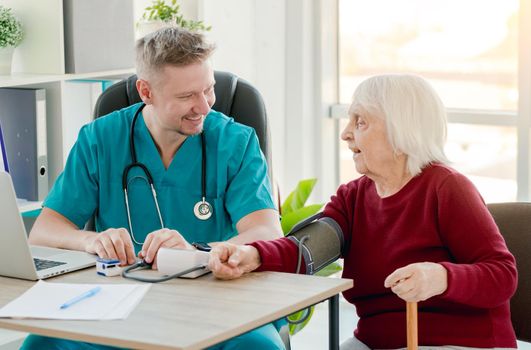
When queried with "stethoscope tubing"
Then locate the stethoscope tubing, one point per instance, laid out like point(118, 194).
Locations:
point(202, 210)
point(127, 272)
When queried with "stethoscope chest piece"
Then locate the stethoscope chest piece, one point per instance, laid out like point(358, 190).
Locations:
point(202, 210)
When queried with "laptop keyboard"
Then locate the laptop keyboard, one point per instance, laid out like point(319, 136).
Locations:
point(42, 264)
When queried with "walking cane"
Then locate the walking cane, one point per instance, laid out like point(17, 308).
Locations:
point(412, 326)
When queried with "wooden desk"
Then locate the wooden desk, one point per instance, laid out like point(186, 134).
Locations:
point(188, 314)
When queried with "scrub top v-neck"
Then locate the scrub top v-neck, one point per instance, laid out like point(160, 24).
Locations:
point(236, 178)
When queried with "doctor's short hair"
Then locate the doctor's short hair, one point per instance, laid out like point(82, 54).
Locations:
point(170, 46)
point(414, 114)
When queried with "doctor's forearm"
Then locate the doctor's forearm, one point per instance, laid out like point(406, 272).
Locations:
point(260, 225)
point(54, 230)
point(257, 233)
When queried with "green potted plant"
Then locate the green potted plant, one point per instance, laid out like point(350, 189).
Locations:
point(294, 210)
point(163, 13)
point(10, 37)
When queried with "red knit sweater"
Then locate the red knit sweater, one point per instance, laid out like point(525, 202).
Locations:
point(440, 217)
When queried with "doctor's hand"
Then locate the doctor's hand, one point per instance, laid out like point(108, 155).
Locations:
point(114, 243)
point(418, 281)
point(228, 261)
point(161, 238)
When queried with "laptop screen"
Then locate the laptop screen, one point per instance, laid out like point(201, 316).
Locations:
point(3, 156)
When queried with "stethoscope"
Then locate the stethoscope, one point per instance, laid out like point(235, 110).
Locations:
point(202, 209)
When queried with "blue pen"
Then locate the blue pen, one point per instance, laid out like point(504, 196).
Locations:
point(83, 296)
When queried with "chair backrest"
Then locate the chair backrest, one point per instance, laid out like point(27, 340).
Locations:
point(514, 222)
point(235, 97)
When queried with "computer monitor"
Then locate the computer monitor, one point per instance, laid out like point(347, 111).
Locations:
point(3, 156)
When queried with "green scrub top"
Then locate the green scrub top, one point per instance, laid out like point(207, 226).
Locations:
point(91, 183)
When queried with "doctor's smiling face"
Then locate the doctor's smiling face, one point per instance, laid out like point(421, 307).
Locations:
point(179, 97)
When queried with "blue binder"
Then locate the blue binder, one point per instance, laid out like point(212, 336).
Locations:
point(23, 118)
point(3, 155)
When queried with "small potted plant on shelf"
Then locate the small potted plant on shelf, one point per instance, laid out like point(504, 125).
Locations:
point(161, 13)
point(10, 37)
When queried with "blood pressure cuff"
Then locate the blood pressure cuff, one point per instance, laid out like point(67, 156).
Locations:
point(320, 241)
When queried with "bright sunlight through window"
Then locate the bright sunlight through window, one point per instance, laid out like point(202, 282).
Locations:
point(468, 50)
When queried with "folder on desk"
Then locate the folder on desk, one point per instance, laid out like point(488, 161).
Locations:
point(23, 119)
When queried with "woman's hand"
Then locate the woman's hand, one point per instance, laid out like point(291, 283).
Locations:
point(228, 261)
point(161, 238)
point(418, 282)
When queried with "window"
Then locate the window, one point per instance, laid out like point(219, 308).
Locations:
point(468, 50)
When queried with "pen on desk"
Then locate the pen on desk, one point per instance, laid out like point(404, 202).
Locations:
point(80, 297)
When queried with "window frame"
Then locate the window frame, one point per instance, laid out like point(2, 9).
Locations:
point(520, 119)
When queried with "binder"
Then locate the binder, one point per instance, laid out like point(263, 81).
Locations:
point(23, 119)
point(3, 156)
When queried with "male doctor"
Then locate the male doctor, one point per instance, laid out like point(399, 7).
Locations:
point(176, 84)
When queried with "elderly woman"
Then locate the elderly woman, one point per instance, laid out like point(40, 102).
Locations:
point(415, 230)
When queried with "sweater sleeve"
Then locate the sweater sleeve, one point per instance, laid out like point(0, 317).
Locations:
point(282, 254)
point(341, 208)
point(279, 255)
point(484, 272)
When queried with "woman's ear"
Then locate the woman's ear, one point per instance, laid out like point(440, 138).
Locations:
point(398, 153)
point(144, 90)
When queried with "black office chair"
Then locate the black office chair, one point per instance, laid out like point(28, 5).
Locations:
point(235, 97)
point(514, 222)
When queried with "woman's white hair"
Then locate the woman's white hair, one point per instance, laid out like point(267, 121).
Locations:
point(414, 115)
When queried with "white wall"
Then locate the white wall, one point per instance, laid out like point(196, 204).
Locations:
point(311, 88)
point(250, 39)
point(278, 46)
point(42, 50)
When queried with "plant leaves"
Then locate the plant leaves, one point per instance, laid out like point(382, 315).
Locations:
point(290, 219)
point(297, 198)
point(294, 328)
point(286, 206)
point(160, 10)
point(329, 269)
point(11, 33)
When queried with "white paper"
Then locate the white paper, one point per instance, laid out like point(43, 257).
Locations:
point(43, 301)
point(124, 308)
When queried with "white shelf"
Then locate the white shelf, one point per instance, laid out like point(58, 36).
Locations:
point(67, 107)
point(39, 63)
point(33, 79)
point(25, 206)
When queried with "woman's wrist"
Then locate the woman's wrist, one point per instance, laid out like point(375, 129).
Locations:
point(252, 257)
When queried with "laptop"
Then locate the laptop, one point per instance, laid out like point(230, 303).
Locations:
point(20, 260)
